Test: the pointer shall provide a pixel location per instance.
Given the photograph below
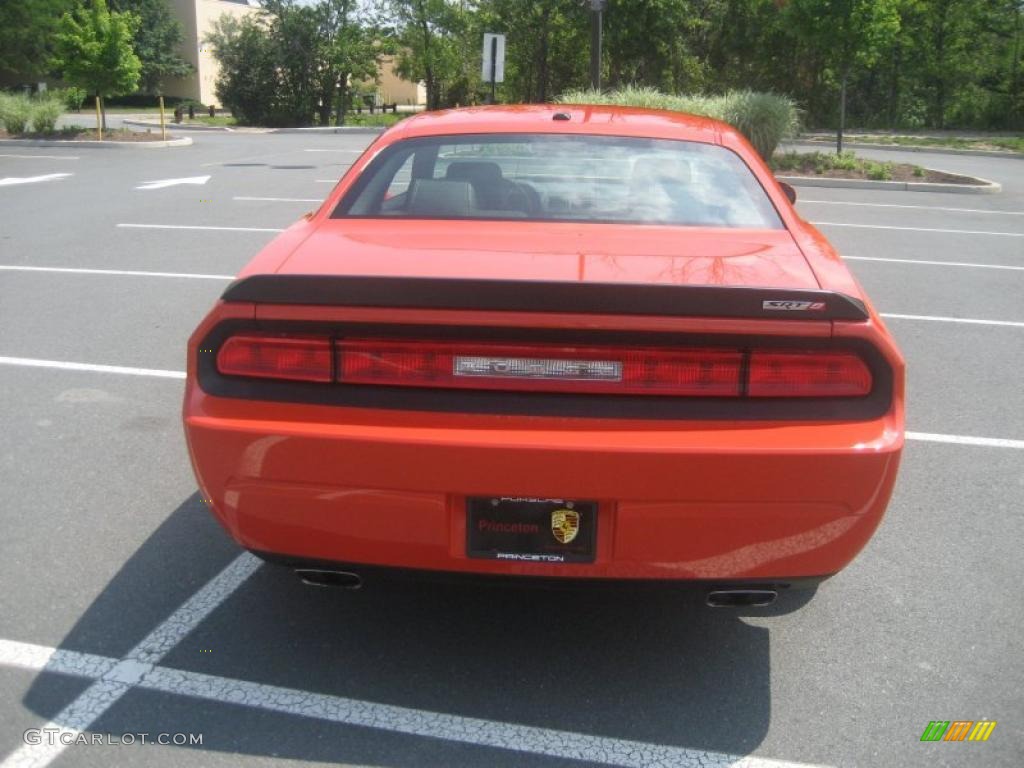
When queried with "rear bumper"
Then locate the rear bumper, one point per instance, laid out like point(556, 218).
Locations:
point(687, 501)
point(375, 574)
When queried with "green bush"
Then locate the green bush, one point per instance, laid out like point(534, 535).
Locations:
point(878, 171)
point(72, 97)
point(764, 118)
point(847, 161)
point(15, 112)
point(787, 161)
point(46, 108)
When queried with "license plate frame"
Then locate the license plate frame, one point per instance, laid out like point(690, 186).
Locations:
point(528, 530)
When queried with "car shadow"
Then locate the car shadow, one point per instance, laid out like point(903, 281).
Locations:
point(652, 666)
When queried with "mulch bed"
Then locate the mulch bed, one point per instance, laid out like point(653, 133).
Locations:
point(85, 135)
point(900, 172)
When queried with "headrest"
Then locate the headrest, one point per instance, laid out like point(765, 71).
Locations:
point(479, 171)
point(435, 197)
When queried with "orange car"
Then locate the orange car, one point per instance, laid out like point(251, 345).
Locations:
point(575, 342)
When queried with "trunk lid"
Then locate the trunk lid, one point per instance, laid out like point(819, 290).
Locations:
point(553, 252)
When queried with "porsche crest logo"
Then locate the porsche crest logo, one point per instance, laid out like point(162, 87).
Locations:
point(565, 524)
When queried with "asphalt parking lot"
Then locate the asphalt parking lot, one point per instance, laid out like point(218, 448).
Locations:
point(163, 626)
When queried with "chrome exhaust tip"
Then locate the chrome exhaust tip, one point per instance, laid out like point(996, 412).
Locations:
point(741, 598)
point(315, 577)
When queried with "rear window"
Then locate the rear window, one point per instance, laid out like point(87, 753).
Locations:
point(545, 177)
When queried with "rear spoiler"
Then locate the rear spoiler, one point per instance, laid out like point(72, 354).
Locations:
point(531, 296)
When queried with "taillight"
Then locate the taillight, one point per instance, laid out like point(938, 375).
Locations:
point(807, 374)
point(761, 372)
point(541, 368)
point(275, 357)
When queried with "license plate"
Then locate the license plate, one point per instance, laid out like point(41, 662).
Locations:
point(531, 530)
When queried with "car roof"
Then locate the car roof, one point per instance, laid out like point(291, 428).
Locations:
point(600, 120)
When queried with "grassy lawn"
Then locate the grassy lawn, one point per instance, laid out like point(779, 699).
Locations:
point(219, 120)
point(90, 108)
point(381, 119)
point(1006, 143)
point(1010, 143)
point(354, 119)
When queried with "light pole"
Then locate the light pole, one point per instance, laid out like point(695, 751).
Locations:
point(596, 12)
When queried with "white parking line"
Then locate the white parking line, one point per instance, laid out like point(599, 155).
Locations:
point(349, 151)
point(921, 207)
point(199, 276)
point(129, 671)
point(523, 739)
point(72, 720)
point(968, 320)
point(119, 272)
point(918, 229)
point(933, 263)
point(284, 199)
point(991, 442)
point(165, 183)
point(46, 157)
point(10, 181)
point(30, 362)
point(140, 273)
point(326, 181)
point(191, 226)
point(175, 627)
point(987, 442)
point(40, 657)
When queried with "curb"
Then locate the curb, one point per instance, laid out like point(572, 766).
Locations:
point(332, 129)
point(176, 126)
point(241, 129)
point(987, 188)
point(912, 148)
point(181, 141)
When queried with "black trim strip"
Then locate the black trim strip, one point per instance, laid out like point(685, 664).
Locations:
point(611, 406)
point(536, 296)
point(397, 573)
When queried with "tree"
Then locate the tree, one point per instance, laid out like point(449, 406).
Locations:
point(155, 42)
point(846, 33)
point(430, 35)
point(248, 82)
point(647, 42)
point(1012, 78)
point(294, 63)
point(348, 49)
point(27, 29)
point(547, 46)
point(94, 51)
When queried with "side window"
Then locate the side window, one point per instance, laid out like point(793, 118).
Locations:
point(400, 181)
point(384, 190)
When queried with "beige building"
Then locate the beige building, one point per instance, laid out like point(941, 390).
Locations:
point(197, 18)
point(394, 90)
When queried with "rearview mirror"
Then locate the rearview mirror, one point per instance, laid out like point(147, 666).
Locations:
point(788, 189)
